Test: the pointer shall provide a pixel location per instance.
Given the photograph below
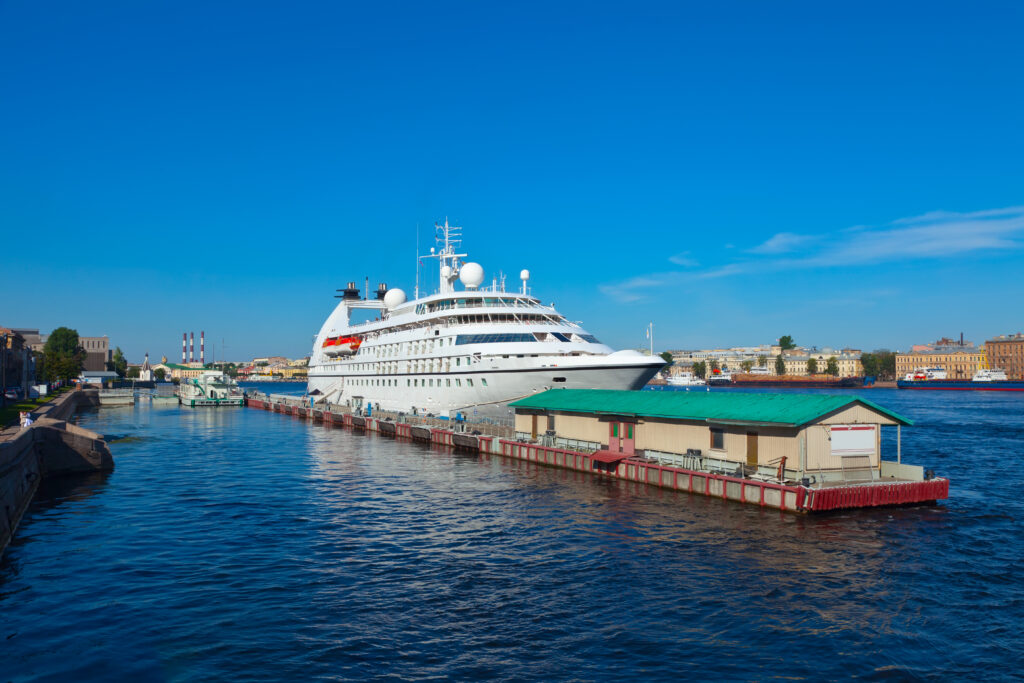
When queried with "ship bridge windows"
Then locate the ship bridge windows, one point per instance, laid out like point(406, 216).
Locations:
point(493, 338)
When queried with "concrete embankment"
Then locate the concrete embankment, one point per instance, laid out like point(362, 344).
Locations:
point(51, 447)
point(494, 440)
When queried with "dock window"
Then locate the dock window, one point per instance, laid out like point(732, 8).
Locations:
point(717, 439)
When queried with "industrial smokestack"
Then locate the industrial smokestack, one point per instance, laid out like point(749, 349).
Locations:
point(191, 347)
point(202, 348)
point(184, 345)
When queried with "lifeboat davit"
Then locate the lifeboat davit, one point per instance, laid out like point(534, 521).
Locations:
point(341, 346)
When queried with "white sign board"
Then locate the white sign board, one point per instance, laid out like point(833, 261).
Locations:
point(849, 440)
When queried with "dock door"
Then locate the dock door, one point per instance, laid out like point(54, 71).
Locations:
point(751, 449)
point(621, 437)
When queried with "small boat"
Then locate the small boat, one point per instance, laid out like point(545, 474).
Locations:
point(212, 388)
point(685, 379)
point(341, 346)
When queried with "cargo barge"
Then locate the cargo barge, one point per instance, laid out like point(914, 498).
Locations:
point(796, 381)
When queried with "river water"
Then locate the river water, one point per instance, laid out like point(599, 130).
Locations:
point(245, 545)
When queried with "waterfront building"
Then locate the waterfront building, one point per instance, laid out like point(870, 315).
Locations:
point(960, 359)
point(826, 438)
point(796, 364)
point(146, 371)
point(1006, 352)
point(97, 352)
point(17, 365)
point(177, 371)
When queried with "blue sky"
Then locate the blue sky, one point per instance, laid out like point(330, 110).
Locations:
point(846, 174)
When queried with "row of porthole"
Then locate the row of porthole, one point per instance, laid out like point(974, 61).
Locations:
point(413, 382)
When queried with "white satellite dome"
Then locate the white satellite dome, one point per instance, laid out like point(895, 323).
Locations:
point(394, 298)
point(471, 275)
point(524, 274)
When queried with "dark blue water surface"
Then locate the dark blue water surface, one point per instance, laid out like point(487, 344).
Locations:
point(237, 544)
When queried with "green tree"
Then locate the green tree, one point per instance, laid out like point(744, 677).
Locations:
point(786, 342)
point(780, 365)
point(62, 356)
point(832, 366)
point(133, 372)
point(746, 365)
point(812, 366)
point(871, 364)
point(160, 373)
point(762, 361)
point(887, 365)
point(118, 363)
point(714, 366)
point(700, 369)
point(666, 356)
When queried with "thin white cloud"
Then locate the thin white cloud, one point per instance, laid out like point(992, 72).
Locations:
point(933, 235)
point(782, 243)
point(684, 259)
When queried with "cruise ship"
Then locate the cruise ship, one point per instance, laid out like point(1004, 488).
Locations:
point(465, 351)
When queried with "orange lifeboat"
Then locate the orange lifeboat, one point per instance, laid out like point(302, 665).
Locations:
point(341, 346)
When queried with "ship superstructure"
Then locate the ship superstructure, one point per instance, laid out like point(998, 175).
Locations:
point(459, 351)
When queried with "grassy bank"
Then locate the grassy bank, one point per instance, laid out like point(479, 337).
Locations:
point(9, 413)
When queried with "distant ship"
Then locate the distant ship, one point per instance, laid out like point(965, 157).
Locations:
point(983, 380)
point(795, 381)
point(459, 351)
point(685, 379)
point(212, 388)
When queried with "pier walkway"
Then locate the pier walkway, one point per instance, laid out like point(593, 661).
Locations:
point(498, 440)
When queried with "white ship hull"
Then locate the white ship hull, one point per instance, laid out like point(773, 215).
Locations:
point(491, 390)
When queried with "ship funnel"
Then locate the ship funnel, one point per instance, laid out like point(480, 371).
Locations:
point(350, 292)
point(382, 289)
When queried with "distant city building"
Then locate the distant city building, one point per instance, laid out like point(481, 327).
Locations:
point(97, 352)
point(1006, 352)
point(960, 359)
point(146, 371)
point(176, 371)
point(17, 365)
point(733, 359)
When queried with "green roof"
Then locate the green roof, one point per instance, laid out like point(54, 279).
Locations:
point(787, 409)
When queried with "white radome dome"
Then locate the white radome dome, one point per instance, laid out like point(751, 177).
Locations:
point(394, 298)
point(524, 274)
point(471, 275)
point(446, 272)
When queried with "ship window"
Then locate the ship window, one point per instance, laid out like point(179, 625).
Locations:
point(483, 381)
point(458, 382)
point(717, 439)
point(448, 382)
point(458, 361)
point(589, 338)
point(559, 336)
point(557, 379)
point(492, 338)
point(469, 382)
point(408, 382)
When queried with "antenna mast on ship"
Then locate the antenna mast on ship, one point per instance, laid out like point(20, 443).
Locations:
point(449, 238)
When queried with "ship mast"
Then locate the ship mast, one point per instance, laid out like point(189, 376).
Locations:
point(449, 239)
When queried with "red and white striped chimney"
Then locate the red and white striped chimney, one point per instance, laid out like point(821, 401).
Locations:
point(202, 347)
point(191, 347)
point(184, 346)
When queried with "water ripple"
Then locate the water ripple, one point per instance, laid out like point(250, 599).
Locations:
point(244, 545)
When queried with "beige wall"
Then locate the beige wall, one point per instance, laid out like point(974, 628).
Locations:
point(773, 443)
point(958, 365)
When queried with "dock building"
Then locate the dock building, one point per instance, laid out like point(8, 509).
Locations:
point(819, 439)
point(1006, 352)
